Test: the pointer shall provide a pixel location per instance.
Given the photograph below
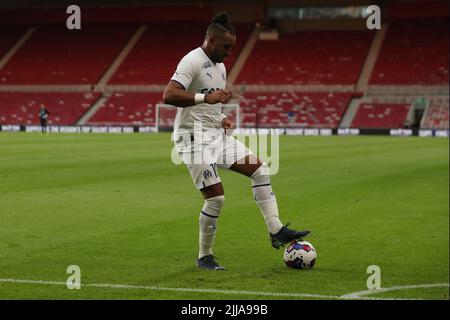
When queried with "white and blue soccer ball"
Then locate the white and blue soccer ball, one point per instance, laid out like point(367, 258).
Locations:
point(300, 254)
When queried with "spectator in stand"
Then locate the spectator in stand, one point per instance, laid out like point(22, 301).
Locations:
point(291, 117)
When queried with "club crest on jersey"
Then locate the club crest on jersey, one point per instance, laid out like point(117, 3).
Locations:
point(206, 65)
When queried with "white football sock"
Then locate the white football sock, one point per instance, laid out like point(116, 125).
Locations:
point(265, 198)
point(208, 224)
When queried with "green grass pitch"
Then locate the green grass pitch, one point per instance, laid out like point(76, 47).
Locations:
point(117, 207)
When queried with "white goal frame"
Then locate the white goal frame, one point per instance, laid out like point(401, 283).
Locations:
point(228, 105)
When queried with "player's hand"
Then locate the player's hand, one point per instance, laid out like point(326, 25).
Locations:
point(228, 124)
point(219, 96)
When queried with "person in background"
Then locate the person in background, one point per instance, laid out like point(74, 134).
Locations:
point(43, 117)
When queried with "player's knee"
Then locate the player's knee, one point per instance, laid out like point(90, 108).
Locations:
point(261, 175)
point(214, 205)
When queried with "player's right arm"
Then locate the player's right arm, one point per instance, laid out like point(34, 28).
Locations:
point(176, 95)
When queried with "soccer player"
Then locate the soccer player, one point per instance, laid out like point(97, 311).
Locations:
point(202, 139)
point(43, 117)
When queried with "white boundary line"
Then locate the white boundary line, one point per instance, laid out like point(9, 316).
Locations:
point(361, 294)
point(155, 288)
point(349, 296)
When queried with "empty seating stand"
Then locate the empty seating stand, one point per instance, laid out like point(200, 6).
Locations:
point(293, 109)
point(54, 55)
point(65, 108)
point(154, 58)
point(380, 115)
point(414, 52)
point(436, 117)
point(9, 35)
point(308, 57)
point(128, 108)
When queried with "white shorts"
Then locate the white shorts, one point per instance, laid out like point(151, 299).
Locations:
point(214, 151)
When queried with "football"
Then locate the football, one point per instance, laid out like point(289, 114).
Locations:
point(300, 255)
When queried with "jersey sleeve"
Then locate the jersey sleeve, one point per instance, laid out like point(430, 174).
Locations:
point(185, 73)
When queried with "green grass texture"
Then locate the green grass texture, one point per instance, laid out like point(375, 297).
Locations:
point(116, 206)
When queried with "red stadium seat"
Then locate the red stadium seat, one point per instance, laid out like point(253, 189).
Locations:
point(64, 108)
point(8, 37)
point(414, 52)
point(436, 117)
point(380, 115)
point(130, 108)
point(308, 57)
point(54, 55)
point(294, 109)
point(151, 62)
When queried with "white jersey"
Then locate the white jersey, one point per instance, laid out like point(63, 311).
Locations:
point(198, 74)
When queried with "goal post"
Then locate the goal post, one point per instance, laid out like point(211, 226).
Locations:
point(232, 111)
point(165, 115)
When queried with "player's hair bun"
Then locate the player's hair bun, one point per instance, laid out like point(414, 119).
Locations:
point(220, 24)
point(221, 18)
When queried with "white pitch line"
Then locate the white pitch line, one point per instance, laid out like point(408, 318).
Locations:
point(155, 288)
point(355, 295)
point(360, 294)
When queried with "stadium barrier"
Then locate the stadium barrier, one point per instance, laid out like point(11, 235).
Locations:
point(245, 131)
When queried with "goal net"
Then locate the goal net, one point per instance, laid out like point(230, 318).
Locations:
point(165, 116)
